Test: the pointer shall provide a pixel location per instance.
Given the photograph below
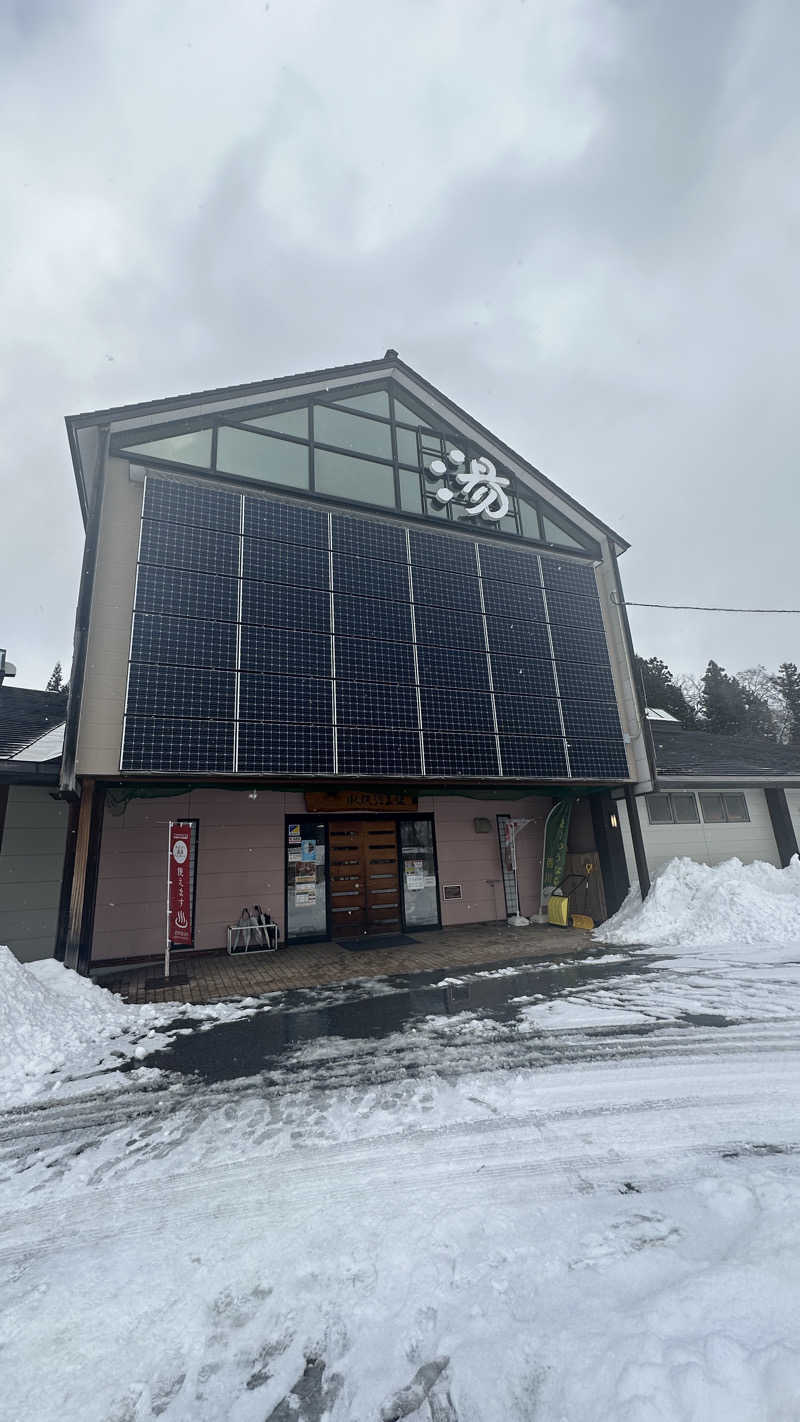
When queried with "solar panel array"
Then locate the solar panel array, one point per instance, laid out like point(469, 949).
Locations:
point(274, 638)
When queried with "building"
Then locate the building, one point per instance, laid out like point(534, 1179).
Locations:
point(33, 821)
point(716, 798)
point(348, 634)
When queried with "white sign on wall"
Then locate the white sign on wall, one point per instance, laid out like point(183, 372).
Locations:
point(482, 488)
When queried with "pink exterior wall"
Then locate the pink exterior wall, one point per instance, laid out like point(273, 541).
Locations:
point(473, 860)
point(241, 861)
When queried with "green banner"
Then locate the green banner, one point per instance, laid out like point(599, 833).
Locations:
point(554, 861)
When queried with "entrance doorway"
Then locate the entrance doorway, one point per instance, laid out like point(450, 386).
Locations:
point(364, 877)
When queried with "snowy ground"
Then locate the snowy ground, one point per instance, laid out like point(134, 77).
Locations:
point(585, 1207)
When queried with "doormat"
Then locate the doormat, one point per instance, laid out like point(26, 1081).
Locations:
point(375, 940)
point(174, 980)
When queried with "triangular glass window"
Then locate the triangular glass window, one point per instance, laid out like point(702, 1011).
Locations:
point(409, 417)
point(291, 422)
point(375, 402)
point(193, 448)
point(553, 533)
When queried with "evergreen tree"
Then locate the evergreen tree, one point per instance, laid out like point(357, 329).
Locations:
point(661, 691)
point(56, 682)
point(723, 703)
point(787, 683)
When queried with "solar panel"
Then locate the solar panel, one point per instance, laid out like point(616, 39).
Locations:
point(360, 660)
point(183, 594)
point(274, 605)
point(361, 537)
point(378, 704)
point(533, 756)
point(448, 754)
point(516, 600)
point(284, 523)
point(283, 651)
point(183, 641)
point(366, 577)
point(518, 638)
point(528, 715)
point(268, 748)
point(181, 691)
point(590, 719)
point(371, 617)
point(285, 698)
point(522, 677)
point(448, 554)
point(509, 565)
point(303, 565)
point(179, 546)
point(446, 667)
point(447, 710)
point(601, 760)
point(445, 627)
point(308, 701)
point(372, 752)
point(158, 743)
point(193, 504)
point(447, 590)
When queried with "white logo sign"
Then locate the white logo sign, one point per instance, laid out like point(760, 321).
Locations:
point(180, 853)
point(482, 488)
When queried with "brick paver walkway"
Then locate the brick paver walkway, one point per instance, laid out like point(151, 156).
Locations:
point(216, 976)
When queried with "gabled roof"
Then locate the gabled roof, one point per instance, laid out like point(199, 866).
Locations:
point(27, 716)
point(86, 444)
point(701, 756)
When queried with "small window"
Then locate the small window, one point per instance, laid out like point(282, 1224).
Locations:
point(255, 456)
point(291, 422)
point(713, 809)
point(346, 431)
point(529, 518)
point(407, 451)
point(735, 807)
point(410, 492)
point(684, 808)
point(406, 416)
point(659, 809)
point(193, 448)
point(350, 478)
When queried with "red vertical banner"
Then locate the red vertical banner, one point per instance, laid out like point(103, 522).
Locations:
point(180, 928)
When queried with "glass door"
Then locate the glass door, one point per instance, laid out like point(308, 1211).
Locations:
point(418, 865)
point(306, 887)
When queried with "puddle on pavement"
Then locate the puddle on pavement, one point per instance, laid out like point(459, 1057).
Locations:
point(252, 1044)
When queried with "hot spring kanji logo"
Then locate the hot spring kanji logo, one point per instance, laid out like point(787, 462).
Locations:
point(483, 490)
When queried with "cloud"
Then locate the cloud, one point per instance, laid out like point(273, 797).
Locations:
point(578, 220)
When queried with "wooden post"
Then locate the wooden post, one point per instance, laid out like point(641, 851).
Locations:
point(67, 874)
point(83, 893)
point(638, 842)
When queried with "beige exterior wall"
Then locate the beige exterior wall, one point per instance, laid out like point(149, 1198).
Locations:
point(241, 861)
point(708, 844)
point(103, 700)
point(31, 861)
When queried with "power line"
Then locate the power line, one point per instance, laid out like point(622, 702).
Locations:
point(691, 607)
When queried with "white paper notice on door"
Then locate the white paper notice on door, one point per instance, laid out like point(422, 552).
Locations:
point(305, 896)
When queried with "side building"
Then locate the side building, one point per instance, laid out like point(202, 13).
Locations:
point(34, 821)
point(350, 635)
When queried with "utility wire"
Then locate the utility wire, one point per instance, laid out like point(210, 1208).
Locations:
point(690, 607)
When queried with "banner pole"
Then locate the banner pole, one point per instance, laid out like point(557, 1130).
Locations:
point(551, 811)
point(169, 891)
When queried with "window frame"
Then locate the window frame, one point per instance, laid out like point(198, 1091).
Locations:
point(670, 797)
point(725, 817)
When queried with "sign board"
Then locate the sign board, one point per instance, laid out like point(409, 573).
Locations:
point(319, 801)
point(180, 930)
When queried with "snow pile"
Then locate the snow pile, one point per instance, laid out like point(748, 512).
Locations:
point(693, 905)
point(50, 1018)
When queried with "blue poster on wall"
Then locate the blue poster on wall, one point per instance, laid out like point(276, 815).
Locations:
point(308, 850)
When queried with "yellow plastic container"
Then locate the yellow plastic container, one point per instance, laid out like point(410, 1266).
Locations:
point(582, 920)
point(558, 910)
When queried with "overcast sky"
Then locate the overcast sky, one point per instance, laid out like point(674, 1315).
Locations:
point(579, 219)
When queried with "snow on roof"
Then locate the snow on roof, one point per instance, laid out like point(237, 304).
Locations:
point(46, 747)
point(654, 713)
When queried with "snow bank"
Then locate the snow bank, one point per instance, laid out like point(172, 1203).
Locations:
point(694, 905)
point(51, 1018)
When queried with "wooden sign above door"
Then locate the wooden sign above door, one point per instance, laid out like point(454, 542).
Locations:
point(331, 802)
